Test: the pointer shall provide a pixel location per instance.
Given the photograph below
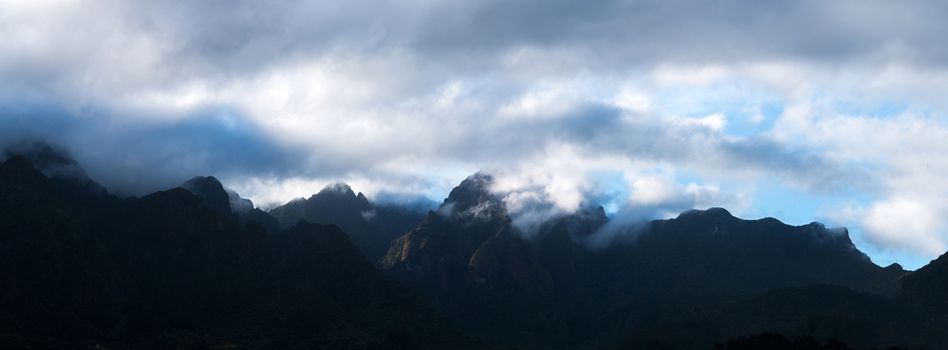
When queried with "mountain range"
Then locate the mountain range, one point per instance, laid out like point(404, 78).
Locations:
point(198, 266)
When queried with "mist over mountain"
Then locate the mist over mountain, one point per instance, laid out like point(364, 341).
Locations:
point(666, 270)
point(64, 171)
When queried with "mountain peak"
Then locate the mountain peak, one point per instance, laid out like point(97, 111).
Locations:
point(341, 194)
point(835, 235)
point(895, 267)
point(211, 191)
point(48, 160)
point(204, 181)
point(718, 222)
point(478, 182)
point(710, 213)
point(337, 188)
point(586, 220)
point(473, 196)
point(62, 173)
point(66, 174)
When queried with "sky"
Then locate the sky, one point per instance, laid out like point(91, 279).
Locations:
point(830, 111)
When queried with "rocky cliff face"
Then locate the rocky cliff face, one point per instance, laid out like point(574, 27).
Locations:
point(468, 240)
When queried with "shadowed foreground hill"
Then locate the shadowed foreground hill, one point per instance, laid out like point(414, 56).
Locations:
point(167, 271)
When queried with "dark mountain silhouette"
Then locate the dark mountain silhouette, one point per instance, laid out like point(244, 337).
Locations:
point(926, 290)
point(229, 203)
point(211, 192)
point(199, 267)
point(928, 286)
point(479, 270)
point(169, 271)
point(717, 254)
point(437, 252)
point(64, 172)
point(665, 280)
point(371, 226)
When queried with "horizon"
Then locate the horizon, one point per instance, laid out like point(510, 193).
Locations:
point(804, 112)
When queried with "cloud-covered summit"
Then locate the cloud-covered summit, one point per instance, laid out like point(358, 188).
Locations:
point(804, 110)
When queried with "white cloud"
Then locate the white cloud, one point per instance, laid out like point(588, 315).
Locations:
point(561, 177)
point(651, 190)
point(867, 119)
point(697, 75)
point(715, 121)
point(902, 223)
